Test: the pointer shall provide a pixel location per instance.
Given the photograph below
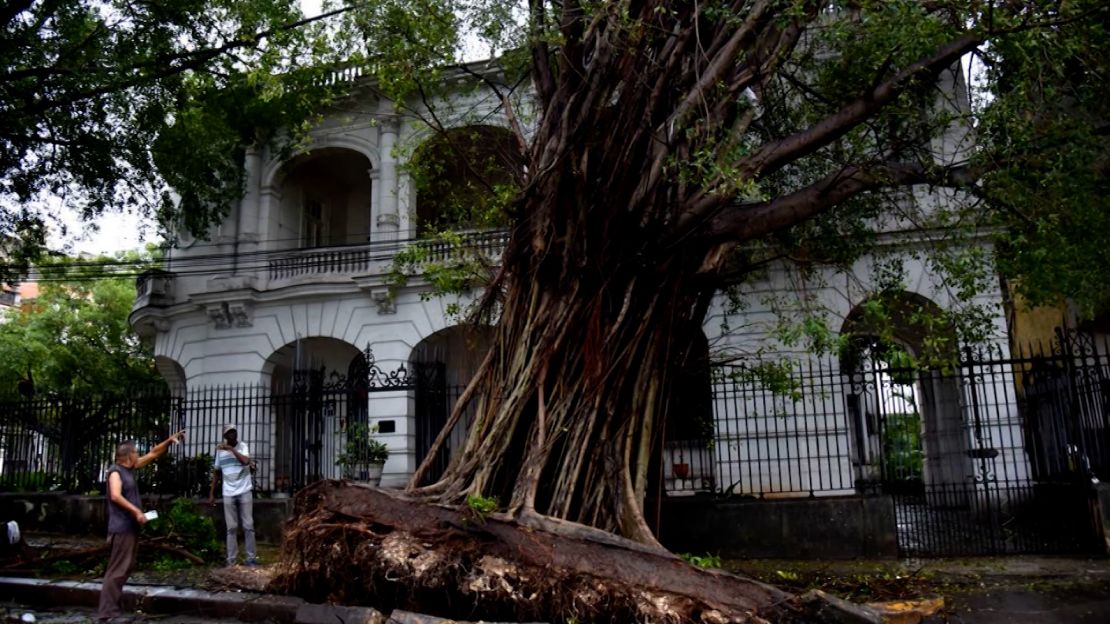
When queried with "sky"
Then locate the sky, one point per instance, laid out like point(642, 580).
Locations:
point(109, 233)
point(114, 231)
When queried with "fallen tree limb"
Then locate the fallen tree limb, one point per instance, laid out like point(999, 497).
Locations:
point(102, 551)
point(360, 546)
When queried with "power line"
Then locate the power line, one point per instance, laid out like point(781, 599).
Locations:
point(213, 264)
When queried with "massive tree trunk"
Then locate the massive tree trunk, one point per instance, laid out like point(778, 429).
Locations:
point(354, 545)
point(594, 314)
point(648, 164)
point(628, 205)
point(594, 304)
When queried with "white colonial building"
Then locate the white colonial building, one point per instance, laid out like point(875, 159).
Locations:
point(296, 280)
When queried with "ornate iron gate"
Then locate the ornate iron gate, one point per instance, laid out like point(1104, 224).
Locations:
point(963, 459)
point(313, 415)
point(996, 455)
point(432, 410)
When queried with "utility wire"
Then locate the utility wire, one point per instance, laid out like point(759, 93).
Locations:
point(210, 264)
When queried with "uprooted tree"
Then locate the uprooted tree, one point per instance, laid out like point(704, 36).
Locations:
point(675, 138)
point(671, 148)
point(680, 144)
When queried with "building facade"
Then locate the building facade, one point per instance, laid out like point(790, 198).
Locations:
point(292, 295)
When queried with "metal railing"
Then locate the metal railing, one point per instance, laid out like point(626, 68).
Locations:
point(62, 442)
point(770, 442)
point(994, 455)
point(820, 430)
point(356, 259)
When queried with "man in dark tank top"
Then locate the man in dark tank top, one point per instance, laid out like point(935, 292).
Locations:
point(125, 516)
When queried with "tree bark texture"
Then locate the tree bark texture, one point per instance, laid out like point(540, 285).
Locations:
point(355, 545)
point(575, 389)
point(627, 211)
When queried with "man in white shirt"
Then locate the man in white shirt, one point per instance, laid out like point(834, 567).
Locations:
point(232, 462)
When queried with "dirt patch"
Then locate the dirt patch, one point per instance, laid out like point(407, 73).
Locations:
point(952, 579)
point(246, 578)
point(67, 557)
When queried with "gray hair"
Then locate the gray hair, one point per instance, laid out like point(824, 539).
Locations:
point(124, 450)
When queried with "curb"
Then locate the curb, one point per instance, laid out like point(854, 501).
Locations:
point(158, 599)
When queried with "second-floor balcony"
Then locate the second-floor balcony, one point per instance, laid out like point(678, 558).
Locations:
point(340, 262)
point(336, 264)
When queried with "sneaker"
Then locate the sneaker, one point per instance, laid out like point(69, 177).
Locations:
point(252, 562)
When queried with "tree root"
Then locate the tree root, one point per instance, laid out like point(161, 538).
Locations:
point(99, 551)
point(359, 546)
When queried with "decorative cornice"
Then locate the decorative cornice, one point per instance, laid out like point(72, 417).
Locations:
point(242, 313)
point(227, 314)
point(384, 299)
point(392, 220)
point(219, 315)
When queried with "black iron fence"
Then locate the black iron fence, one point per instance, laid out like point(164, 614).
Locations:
point(991, 455)
point(60, 441)
point(67, 443)
point(295, 433)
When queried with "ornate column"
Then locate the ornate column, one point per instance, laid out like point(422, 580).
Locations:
point(268, 198)
point(248, 233)
point(389, 219)
point(373, 206)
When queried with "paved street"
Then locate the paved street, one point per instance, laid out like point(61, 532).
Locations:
point(1081, 603)
point(1003, 590)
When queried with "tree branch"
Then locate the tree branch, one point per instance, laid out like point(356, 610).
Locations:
point(723, 60)
point(750, 221)
point(178, 63)
point(510, 112)
point(772, 156)
point(541, 55)
point(9, 11)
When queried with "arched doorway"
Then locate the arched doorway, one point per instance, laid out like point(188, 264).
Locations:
point(446, 362)
point(317, 387)
point(908, 431)
point(688, 458)
point(326, 196)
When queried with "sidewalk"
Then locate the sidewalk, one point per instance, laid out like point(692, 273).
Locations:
point(1005, 590)
point(166, 600)
point(998, 590)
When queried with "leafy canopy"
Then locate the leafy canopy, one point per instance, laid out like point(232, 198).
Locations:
point(800, 144)
point(790, 141)
point(74, 336)
point(144, 106)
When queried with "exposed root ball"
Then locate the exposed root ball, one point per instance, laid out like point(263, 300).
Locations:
point(357, 546)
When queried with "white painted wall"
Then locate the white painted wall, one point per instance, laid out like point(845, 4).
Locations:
point(349, 307)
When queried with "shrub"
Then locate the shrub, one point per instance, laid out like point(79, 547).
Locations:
point(360, 449)
point(180, 476)
point(37, 481)
point(194, 532)
point(707, 561)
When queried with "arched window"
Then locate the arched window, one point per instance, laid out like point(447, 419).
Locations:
point(325, 200)
point(463, 177)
